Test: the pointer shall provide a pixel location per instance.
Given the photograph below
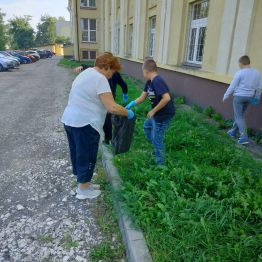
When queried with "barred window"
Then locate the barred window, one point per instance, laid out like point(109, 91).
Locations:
point(152, 33)
point(89, 54)
point(88, 27)
point(197, 32)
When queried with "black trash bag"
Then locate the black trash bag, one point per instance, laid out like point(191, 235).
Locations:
point(123, 130)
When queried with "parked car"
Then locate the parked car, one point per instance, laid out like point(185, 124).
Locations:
point(50, 53)
point(33, 59)
point(6, 64)
point(42, 53)
point(5, 53)
point(23, 59)
point(15, 62)
point(33, 53)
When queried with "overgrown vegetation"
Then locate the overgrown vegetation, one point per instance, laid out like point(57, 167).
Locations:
point(205, 205)
point(111, 249)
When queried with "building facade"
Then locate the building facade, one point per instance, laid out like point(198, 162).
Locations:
point(196, 43)
point(85, 18)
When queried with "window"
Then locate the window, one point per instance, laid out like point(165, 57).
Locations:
point(89, 54)
point(130, 39)
point(88, 3)
point(88, 27)
point(117, 38)
point(197, 32)
point(152, 33)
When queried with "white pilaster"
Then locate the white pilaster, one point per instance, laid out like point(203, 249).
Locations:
point(165, 22)
point(113, 22)
point(107, 45)
point(226, 36)
point(122, 26)
point(137, 25)
point(241, 35)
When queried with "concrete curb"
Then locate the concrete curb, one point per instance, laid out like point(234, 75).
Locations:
point(137, 250)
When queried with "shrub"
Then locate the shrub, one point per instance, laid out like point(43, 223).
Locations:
point(179, 100)
point(217, 117)
point(209, 111)
point(197, 108)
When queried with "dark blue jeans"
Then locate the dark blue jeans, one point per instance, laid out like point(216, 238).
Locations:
point(83, 144)
point(155, 133)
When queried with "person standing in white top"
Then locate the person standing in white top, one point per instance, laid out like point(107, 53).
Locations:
point(89, 100)
point(246, 88)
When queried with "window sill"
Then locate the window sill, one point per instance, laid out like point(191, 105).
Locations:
point(88, 8)
point(192, 66)
point(88, 42)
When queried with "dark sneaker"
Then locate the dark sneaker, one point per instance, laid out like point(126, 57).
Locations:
point(232, 133)
point(243, 140)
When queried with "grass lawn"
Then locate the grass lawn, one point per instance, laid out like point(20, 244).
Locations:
point(72, 64)
point(206, 204)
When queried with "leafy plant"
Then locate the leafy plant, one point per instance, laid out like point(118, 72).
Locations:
point(217, 117)
point(205, 205)
point(179, 100)
point(197, 108)
point(209, 111)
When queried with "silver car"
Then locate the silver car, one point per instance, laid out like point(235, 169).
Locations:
point(6, 64)
point(15, 62)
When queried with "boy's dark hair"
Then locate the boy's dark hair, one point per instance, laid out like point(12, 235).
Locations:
point(150, 65)
point(244, 60)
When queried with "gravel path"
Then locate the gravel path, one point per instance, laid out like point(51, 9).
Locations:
point(40, 219)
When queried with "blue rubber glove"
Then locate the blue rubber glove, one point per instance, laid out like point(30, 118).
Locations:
point(130, 105)
point(130, 114)
point(255, 101)
point(125, 98)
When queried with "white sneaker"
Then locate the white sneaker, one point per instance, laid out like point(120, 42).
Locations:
point(88, 193)
point(93, 186)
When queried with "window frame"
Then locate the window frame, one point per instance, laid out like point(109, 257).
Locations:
point(88, 30)
point(197, 25)
point(88, 4)
point(151, 37)
point(89, 55)
point(130, 39)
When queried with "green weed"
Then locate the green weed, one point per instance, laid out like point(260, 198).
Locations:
point(205, 205)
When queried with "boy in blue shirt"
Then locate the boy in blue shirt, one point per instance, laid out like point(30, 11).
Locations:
point(163, 109)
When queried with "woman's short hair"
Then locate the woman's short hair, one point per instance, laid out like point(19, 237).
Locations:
point(108, 61)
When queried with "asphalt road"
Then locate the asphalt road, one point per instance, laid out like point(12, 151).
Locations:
point(40, 219)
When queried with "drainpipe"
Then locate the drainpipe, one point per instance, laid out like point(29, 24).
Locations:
point(77, 30)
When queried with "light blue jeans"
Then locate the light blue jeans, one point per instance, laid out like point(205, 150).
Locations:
point(240, 105)
point(155, 133)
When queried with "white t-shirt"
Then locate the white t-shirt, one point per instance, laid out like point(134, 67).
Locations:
point(84, 105)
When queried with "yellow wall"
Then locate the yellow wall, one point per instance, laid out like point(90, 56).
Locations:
point(68, 51)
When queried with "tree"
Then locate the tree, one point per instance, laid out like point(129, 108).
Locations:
point(21, 33)
point(63, 40)
point(3, 37)
point(46, 30)
point(60, 18)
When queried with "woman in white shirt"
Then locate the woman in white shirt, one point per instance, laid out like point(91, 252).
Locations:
point(89, 101)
